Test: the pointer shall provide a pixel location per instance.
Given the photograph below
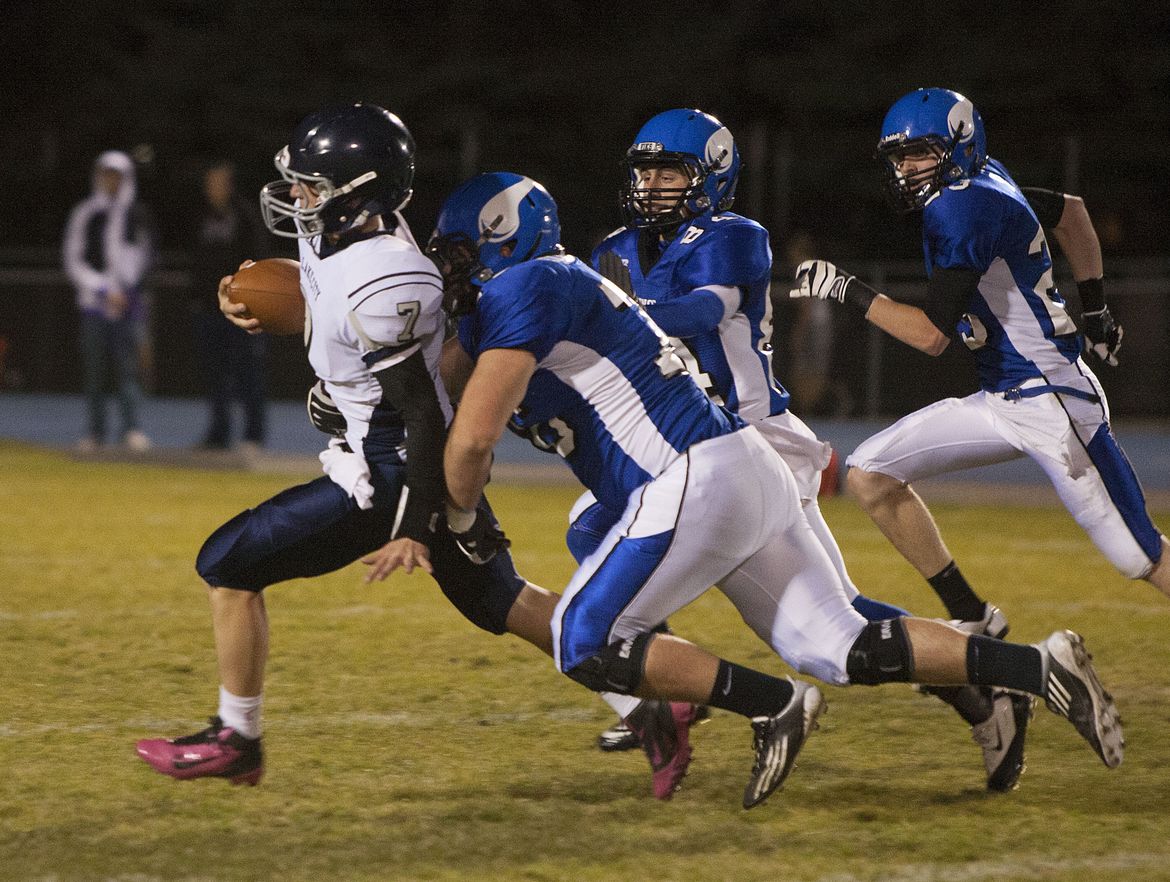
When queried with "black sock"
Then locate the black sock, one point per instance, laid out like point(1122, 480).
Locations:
point(993, 662)
point(952, 589)
point(750, 693)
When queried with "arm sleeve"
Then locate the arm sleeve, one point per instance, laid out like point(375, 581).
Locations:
point(696, 311)
point(408, 386)
point(1048, 205)
point(948, 295)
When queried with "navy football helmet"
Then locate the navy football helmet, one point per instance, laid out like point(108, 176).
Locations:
point(359, 159)
point(487, 224)
point(698, 144)
point(938, 121)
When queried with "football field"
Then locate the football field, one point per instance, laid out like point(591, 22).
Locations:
point(403, 744)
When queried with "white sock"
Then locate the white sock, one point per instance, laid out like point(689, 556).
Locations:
point(623, 704)
point(241, 714)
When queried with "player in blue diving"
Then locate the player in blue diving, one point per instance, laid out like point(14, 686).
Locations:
point(991, 285)
point(705, 501)
point(703, 273)
point(375, 329)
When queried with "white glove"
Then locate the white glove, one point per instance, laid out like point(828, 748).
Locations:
point(820, 279)
point(348, 471)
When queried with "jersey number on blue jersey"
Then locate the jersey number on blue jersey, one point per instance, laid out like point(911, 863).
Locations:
point(668, 362)
point(1053, 302)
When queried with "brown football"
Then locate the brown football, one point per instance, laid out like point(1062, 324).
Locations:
point(271, 289)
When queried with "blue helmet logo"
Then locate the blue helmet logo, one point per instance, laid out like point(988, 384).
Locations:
point(697, 144)
point(939, 122)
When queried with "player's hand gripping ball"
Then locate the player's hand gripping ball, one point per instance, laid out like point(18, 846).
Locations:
point(271, 289)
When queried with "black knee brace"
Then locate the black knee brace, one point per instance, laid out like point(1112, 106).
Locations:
point(881, 654)
point(617, 668)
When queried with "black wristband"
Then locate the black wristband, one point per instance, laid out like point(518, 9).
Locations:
point(1092, 293)
point(859, 294)
point(418, 519)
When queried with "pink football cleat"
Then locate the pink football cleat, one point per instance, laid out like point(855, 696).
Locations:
point(216, 752)
point(663, 730)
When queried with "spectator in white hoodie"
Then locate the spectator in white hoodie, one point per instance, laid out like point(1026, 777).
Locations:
point(107, 252)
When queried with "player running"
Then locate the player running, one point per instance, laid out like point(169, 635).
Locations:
point(704, 500)
point(703, 274)
point(991, 285)
point(374, 331)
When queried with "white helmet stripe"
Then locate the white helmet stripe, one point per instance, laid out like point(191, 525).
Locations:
point(499, 219)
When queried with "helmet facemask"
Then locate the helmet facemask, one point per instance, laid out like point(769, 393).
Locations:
point(910, 192)
point(286, 215)
point(457, 257)
point(655, 208)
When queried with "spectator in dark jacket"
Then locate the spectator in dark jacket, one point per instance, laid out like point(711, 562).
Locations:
point(229, 232)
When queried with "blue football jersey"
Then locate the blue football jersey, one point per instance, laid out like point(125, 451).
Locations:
point(726, 340)
point(607, 379)
point(1017, 325)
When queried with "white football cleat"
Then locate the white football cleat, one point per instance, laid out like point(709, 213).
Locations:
point(1072, 690)
point(779, 738)
point(993, 624)
point(1002, 736)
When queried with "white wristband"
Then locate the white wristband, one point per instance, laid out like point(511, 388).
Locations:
point(460, 520)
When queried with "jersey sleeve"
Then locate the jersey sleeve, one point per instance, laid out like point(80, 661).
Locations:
point(962, 228)
point(520, 309)
point(393, 307)
point(696, 311)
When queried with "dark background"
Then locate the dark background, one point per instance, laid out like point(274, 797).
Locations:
point(1074, 96)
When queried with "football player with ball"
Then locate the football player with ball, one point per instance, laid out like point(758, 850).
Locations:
point(374, 328)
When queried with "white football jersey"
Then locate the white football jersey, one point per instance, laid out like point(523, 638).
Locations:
point(369, 306)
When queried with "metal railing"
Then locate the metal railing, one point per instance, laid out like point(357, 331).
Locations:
point(878, 375)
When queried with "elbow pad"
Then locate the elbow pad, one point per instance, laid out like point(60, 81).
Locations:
point(948, 296)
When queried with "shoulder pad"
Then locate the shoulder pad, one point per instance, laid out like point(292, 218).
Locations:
point(394, 298)
point(375, 286)
point(736, 252)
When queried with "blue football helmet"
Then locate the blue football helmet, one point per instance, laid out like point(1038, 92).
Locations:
point(939, 121)
point(697, 143)
point(359, 159)
point(488, 224)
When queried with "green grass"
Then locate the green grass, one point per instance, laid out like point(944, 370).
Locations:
point(404, 744)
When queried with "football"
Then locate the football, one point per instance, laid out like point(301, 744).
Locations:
point(271, 289)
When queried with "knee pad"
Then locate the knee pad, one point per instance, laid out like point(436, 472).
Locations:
point(881, 654)
point(617, 668)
